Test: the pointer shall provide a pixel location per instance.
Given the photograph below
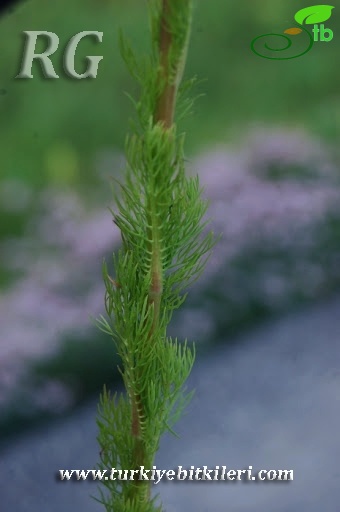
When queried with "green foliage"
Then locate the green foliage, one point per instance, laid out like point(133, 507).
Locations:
point(160, 217)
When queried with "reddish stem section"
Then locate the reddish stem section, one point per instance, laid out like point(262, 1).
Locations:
point(166, 104)
point(164, 113)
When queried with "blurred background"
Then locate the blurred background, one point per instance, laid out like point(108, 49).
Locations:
point(263, 138)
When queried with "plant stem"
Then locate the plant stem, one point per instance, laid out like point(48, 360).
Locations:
point(160, 219)
point(164, 114)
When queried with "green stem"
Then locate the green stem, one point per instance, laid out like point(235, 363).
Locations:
point(160, 219)
point(164, 114)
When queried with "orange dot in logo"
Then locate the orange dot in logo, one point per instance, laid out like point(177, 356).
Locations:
point(293, 31)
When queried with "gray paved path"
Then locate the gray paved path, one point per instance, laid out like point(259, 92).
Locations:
point(272, 402)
